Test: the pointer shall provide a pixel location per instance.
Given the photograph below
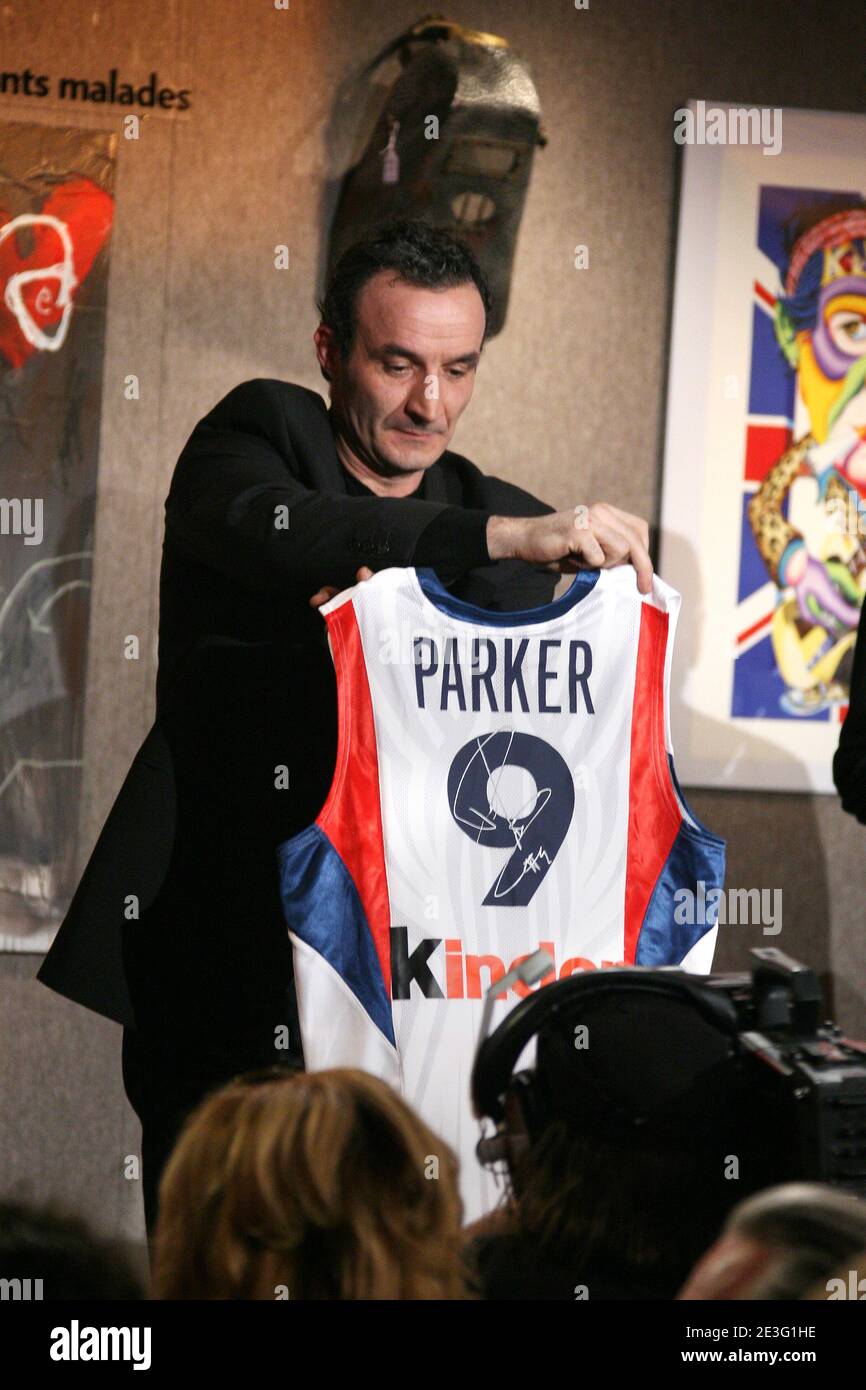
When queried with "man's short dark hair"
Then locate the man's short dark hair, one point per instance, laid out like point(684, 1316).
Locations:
point(420, 254)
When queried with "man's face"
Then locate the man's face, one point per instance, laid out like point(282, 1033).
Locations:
point(410, 374)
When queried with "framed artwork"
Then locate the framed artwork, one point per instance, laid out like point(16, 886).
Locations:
point(56, 209)
point(764, 491)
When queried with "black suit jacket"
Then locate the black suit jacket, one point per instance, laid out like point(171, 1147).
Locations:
point(849, 760)
point(176, 927)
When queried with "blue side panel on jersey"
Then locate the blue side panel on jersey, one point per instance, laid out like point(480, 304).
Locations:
point(723, 844)
point(584, 582)
point(663, 939)
point(322, 907)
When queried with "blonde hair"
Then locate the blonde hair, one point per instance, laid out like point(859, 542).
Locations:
point(308, 1185)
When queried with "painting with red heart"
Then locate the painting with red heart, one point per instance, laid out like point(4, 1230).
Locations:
point(56, 212)
point(45, 258)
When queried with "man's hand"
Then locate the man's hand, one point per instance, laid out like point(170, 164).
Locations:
point(328, 590)
point(596, 537)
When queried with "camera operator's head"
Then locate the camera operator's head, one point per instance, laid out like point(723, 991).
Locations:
point(628, 1144)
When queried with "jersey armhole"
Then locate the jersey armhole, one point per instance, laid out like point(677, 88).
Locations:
point(673, 612)
point(336, 619)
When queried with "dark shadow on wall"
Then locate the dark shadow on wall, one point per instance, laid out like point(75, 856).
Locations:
point(352, 118)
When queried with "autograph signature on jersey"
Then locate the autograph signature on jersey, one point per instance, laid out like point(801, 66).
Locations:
point(534, 832)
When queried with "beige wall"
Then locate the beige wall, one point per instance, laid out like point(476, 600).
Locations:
point(568, 401)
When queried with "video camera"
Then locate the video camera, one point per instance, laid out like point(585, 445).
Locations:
point(801, 1081)
point(805, 1069)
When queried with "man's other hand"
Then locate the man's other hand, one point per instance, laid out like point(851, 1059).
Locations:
point(596, 537)
point(328, 590)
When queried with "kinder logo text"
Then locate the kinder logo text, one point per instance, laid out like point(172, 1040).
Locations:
point(440, 970)
point(76, 1343)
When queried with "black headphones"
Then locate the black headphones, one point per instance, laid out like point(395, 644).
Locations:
point(518, 1103)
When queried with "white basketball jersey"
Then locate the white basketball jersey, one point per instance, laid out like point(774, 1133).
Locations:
point(503, 781)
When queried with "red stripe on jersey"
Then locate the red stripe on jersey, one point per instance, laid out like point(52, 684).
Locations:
point(352, 815)
point(654, 816)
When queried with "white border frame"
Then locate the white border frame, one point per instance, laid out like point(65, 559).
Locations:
point(717, 263)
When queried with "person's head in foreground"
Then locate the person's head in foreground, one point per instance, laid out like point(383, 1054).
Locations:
point(308, 1185)
point(780, 1244)
point(622, 1174)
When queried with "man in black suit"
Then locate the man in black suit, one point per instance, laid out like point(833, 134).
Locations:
point(849, 760)
point(277, 503)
